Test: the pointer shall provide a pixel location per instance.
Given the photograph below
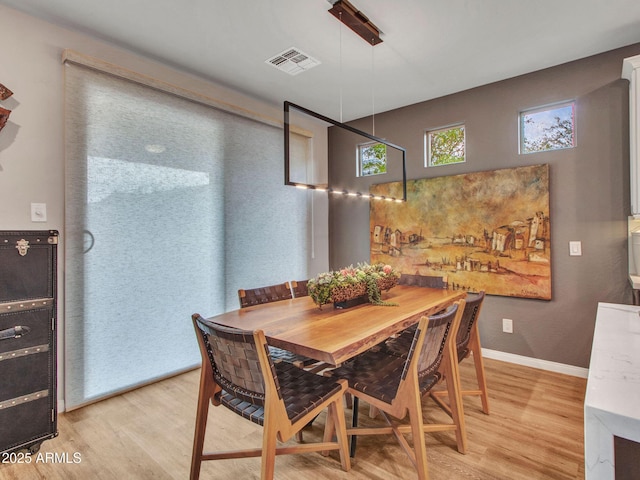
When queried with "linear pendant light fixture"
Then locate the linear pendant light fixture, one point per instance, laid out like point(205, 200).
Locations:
point(288, 106)
point(360, 24)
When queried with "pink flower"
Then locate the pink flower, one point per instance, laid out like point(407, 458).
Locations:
point(387, 269)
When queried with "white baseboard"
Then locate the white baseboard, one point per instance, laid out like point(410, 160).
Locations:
point(536, 363)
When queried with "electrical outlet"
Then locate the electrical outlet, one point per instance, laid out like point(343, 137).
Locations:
point(507, 325)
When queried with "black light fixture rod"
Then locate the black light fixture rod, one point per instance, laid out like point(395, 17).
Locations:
point(288, 105)
point(319, 116)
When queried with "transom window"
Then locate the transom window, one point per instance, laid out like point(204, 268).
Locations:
point(547, 128)
point(445, 146)
point(372, 159)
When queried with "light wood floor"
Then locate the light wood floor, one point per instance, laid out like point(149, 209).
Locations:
point(534, 431)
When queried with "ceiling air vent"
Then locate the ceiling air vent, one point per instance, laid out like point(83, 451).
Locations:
point(293, 61)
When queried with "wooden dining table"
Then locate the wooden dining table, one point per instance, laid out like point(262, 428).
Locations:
point(332, 335)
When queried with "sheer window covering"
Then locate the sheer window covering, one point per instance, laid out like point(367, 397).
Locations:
point(151, 238)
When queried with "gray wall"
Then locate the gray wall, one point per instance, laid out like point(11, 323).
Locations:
point(589, 191)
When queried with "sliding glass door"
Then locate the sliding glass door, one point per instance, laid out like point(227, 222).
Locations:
point(144, 232)
point(171, 207)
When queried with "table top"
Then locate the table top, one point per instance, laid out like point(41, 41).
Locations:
point(613, 385)
point(613, 388)
point(334, 335)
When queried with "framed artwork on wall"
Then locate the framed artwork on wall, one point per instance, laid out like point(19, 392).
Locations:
point(483, 231)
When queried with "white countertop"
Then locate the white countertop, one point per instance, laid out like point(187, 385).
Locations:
point(612, 401)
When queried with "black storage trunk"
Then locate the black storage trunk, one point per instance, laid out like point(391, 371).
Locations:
point(28, 412)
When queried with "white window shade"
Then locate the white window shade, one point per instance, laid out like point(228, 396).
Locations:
point(171, 206)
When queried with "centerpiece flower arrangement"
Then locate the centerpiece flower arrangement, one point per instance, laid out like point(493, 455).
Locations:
point(352, 282)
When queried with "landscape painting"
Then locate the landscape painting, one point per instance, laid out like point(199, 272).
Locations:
point(482, 231)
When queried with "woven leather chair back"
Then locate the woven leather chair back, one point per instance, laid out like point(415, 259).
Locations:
point(469, 318)
point(300, 288)
point(256, 296)
point(430, 355)
point(423, 281)
point(234, 359)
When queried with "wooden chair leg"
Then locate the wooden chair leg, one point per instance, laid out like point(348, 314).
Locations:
point(269, 445)
point(452, 378)
point(206, 391)
point(348, 400)
point(335, 416)
point(417, 434)
point(329, 429)
point(476, 350)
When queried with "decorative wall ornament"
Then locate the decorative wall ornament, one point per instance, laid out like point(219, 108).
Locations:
point(4, 92)
point(4, 116)
point(483, 231)
point(4, 113)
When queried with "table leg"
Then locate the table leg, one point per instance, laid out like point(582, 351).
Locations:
point(354, 423)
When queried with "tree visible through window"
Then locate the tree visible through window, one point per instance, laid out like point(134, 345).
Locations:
point(551, 128)
point(445, 146)
point(373, 158)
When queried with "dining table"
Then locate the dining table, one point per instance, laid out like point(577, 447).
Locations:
point(334, 335)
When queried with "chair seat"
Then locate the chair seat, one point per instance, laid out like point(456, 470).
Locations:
point(281, 355)
point(400, 344)
point(301, 391)
point(378, 374)
point(245, 409)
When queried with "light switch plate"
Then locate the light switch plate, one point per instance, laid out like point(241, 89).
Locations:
point(38, 212)
point(575, 248)
point(507, 325)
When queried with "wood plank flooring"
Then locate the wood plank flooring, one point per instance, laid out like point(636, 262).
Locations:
point(534, 431)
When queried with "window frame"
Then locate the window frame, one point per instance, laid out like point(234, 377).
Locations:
point(546, 108)
point(427, 144)
point(359, 166)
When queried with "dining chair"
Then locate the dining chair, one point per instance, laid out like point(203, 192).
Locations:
point(468, 343)
point(238, 373)
point(395, 385)
point(399, 343)
point(432, 281)
point(274, 293)
point(299, 288)
point(271, 293)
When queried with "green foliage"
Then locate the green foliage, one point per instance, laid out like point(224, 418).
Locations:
point(374, 295)
point(446, 146)
point(373, 159)
point(321, 287)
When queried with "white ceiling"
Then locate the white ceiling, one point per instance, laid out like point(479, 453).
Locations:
point(430, 48)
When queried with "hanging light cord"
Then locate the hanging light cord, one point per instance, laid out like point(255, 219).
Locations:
point(373, 96)
point(341, 75)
